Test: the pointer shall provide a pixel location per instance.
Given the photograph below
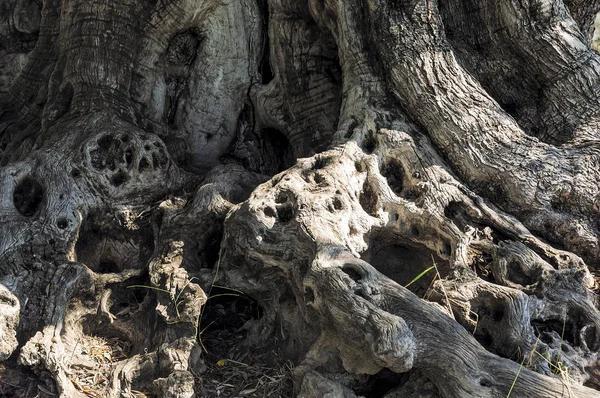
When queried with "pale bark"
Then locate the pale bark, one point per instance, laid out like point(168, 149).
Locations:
point(141, 145)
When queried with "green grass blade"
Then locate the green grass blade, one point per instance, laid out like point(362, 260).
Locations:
point(515, 380)
point(420, 275)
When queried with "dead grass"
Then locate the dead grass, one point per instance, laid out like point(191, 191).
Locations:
point(90, 375)
point(233, 378)
point(232, 369)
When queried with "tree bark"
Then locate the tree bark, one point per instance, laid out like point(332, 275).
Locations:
point(407, 190)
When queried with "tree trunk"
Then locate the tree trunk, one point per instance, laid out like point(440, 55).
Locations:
point(408, 190)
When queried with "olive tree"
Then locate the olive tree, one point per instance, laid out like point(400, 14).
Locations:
point(407, 188)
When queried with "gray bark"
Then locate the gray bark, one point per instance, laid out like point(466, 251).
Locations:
point(318, 156)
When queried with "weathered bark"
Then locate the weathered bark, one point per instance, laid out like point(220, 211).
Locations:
point(318, 156)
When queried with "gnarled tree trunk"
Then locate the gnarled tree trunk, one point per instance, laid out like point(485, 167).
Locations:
point(408, 190)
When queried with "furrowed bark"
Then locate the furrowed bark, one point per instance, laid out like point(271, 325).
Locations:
point(334, 289)
point(554, 99)
point(408, 191)
point(584, 12)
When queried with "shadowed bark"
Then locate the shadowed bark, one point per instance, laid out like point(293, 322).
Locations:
point(407, 190)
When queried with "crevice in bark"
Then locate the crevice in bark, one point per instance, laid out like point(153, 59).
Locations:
point(28, 196)
point(266, 72)
point(277, 144)
point(380, 384)
point(103, 251)
point(179, 57)
point(404, 264)
point(531, 91)
point(108, 241)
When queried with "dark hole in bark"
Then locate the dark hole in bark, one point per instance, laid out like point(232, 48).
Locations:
point(414, 231)
point(118, 179)
point(403, 264)
point(106, 142)
point(510, 108)
point(498, 313)
point(309, 296)
point(265, 70)
point(564, 329)
point(175, 86)
point(75, 173)
point(393, 171)
point(285, 212)
point(337, 204)
point(484, 338)
point(226, 314)
point(591, 338)
point(369, 144)
point(62, 223)
point(281, 198)
point(481, 264)
point(516, 274)
point(333, 71)
point(413, 195)
point(319, 179)
point(276, 152)
point(446, 249)
point(352, 271)
point(358, 166)
point(360, 292)
point(108, 267)
point(368, 199)
point(28, 196)
point(124, 138)
point(110, 154)
point(269, 212)
point(147, 147)
point(183, 47)
point(209, 253)
point(379, 384)
point(128, 156)
point(322, 161)
point(163, 158)
point(485, 382)
point(102, 237)
point(144, 165)
point(455, 212)
point(130, 301)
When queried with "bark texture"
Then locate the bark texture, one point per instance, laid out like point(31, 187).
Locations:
point(407, 189)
